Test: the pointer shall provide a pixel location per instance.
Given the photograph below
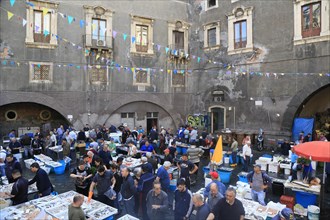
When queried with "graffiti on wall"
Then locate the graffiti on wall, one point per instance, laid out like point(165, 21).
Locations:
point(199, 121)
point(5, 50)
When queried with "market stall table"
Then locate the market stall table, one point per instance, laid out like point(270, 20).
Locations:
point(8, 188)
point(57, 207)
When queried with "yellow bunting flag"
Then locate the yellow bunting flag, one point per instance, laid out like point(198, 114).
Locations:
point(217, 155)
point(93, 26)
point(168, 71)
point(10, 15)
point(133, 69)
point(44, 11)
point(97, 56)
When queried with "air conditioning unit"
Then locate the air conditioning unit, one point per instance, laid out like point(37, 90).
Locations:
point(100, 43)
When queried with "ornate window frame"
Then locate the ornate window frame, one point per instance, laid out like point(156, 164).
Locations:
point(207, 27)
point(325, 24)
point(148, 77)
point(139, 20)
point(41, 4)
point(240, 13)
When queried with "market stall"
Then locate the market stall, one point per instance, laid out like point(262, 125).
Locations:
point(57, 207)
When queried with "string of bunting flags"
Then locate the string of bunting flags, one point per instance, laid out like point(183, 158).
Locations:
point(119, 68)
point(112, 64)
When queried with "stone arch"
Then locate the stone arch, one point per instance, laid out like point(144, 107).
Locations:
point(174, 115)
point(33, 97)
point(299, 99)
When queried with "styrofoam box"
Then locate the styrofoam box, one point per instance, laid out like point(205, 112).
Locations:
point(285, 166)
point(273, 167)
point(28, 163)
point(265, 159)
point(263, 164)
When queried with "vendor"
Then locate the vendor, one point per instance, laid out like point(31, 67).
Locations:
point(44, 185)
point(285, 214)
point(19, 192)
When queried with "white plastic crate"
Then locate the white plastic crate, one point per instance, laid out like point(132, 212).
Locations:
point(28, 163)
point(273, 167)
point(285, 166)
point(266, 159)
point(47, 169)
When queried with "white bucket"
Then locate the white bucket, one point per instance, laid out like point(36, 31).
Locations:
point(226, 160)
point(287, 171)
point(313, 212)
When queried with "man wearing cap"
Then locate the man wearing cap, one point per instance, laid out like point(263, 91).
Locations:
point(259, 182)
point(186, 168)
point(285, 214)
point(215, 179)
point(168, 156)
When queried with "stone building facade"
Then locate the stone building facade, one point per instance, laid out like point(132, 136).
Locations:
point(216, 64)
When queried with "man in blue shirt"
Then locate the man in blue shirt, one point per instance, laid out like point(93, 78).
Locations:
point(163, 177)
point(203, 209)
point(186, 168)
point(147, 148)
point(44, 185)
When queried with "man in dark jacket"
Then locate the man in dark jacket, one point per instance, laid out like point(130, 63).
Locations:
point(145, 184)
point(36, 145)
point(19, 192)
point(182, 203)
point(44, 185)
point(11, 164)
point(14, 146)
point(157, 202)
point(105, 155)
point(128, 191)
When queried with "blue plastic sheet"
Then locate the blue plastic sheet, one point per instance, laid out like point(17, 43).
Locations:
point(302, 124)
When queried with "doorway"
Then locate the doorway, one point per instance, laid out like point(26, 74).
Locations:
point(152, 120)
point(217, 119)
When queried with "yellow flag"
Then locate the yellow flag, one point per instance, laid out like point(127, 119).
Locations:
point(10, 15)
point(217, 155)
point(44, 11)
point(133, 69)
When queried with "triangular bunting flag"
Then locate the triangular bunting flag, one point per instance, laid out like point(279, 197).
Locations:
point(62, 15)
point(167, 49)
point(97, 56)
point(158, 47)
point(30, 4)
point(10, 15)
point(24, 22)
point(12, 2)
point(133, 69)
point(114, 34)
point(118, 68)
point(124, 37)
point(70, 19)
point(168, 71)
point(198, 59)
point(93, 27)
point(46, 33)
point(133, 40)
point(82, 23)
point(44, 11)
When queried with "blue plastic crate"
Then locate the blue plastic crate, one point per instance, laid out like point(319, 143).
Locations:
point(224, 176)
point(243, 179)
point(60, 170)
point(109, 218)
point(267, 156)
point(305, 199)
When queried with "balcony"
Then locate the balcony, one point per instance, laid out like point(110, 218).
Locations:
point(95, 41)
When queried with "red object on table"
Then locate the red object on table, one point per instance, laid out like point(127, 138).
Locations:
point(288, 201)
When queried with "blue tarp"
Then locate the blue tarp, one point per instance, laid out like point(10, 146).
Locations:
point(302, 124)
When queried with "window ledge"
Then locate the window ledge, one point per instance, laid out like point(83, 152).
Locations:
point(309, 40)
point(141, 84)
point(178, 86)
point(212, 48)
point(240, 50)
point(41, 45)
point(210, 8)
point(41, 81)
point(142, 53)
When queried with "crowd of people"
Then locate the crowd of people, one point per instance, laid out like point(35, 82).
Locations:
point(146, 193)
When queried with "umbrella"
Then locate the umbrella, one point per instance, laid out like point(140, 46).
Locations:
point(314, 150)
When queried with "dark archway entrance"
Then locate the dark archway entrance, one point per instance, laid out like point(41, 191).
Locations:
point(26, 117)
point(317, 106)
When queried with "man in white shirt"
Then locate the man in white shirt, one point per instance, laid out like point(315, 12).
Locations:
point(193, 135)
point(247, 155)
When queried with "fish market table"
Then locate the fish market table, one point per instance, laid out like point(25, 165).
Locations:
point(57, 207)
point(8, 188)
